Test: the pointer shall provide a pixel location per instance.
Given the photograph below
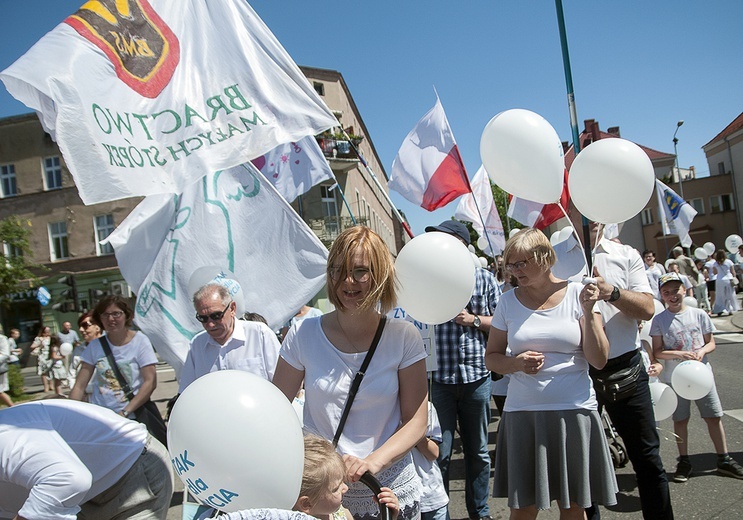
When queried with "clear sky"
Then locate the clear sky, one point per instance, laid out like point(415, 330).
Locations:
point(636, 64)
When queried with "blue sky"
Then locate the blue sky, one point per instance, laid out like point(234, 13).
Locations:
point(638, 65)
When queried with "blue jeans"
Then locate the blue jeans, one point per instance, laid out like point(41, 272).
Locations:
point(469, 404)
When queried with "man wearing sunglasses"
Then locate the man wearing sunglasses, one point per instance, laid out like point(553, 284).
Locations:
point(227, 343)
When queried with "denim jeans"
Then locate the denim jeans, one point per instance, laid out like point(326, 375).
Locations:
point(634, 421)
point(468, 404)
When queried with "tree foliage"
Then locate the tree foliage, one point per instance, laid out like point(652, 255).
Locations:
point(15, 268)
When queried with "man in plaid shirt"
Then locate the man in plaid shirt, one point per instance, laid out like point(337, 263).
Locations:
point(460, 390)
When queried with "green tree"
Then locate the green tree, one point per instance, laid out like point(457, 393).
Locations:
point(15, 268)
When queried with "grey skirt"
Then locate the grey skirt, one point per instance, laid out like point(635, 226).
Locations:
point(553, 455)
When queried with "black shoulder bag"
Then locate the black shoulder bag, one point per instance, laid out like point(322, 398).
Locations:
point(147, 413)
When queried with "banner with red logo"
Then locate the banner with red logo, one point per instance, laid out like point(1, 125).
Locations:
point(147, 96)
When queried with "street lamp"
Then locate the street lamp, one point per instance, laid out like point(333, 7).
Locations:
point(676, 155)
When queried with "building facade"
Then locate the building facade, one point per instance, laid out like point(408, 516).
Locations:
point(725, 158)
point(36, 186)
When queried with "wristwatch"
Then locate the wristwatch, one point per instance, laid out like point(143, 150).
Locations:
point(614, 294)
point(477, 322)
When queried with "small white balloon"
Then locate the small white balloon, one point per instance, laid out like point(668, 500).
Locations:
point(566, 233)
point(483, 262)
point(555, 238)
point(710, 248)
point(65, 349)
point(664, 400)
point(659, 307)
point(692, 380)
point(690, 301)
point(482, 243)
point(471, 249)
point(513, 232)
point(732, 242)
point(700, 253)
point(475, 260)
point(436, 275)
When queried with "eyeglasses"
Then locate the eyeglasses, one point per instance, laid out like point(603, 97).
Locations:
point(214, 316)
point(115, 315)
point(517, 265)
point(359, 274)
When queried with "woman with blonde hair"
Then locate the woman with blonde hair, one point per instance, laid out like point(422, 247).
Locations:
point(389, 413)
point(545, 333)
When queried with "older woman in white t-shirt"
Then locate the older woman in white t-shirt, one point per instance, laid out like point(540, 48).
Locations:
point(545, 333)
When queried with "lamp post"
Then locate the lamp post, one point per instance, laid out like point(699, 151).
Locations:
point(676, 157)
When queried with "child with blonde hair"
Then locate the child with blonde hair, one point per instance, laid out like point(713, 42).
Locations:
point(323, 484)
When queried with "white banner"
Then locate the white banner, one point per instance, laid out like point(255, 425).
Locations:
point(148, 96)
point(233, 222)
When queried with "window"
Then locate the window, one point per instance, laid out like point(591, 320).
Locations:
point(319, 88)
point(11, 251)
point(721, 168)
point(698, 204)
point(329, 210)
point(104, 226)
point(52, 173)
point(647, 216)
point(58, 241)
point(7, 180)
point(719, 203)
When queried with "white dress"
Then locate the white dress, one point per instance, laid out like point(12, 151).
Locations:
point(725, 300)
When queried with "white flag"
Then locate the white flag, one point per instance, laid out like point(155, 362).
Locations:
point(294, 168)
point(674, 213)
point(148, 96)
point(467, 209)
point(233, 222)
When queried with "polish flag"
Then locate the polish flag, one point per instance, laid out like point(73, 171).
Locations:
point(537, 215)
point(428, 170)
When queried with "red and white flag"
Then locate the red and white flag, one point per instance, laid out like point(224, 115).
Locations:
point(148, 96)
point(428, 169)
point(536, 214)
point(294, 168)
point(478, 207)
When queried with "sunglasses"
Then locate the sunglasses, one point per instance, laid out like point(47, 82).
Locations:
point(86, 324)
point(214, 316)
point(359, 274)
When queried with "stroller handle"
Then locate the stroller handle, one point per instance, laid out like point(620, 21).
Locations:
point(372, 483)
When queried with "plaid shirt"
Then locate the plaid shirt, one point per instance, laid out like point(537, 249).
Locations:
point(460, 351)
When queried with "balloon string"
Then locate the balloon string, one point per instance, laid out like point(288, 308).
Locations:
point(677, 439)
point(577, 237)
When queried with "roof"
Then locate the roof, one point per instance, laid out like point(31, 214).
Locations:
point(733, 127)
point(587, 136)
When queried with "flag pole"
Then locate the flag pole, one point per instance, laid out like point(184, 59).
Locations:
point(345, 202)
point(376, 181)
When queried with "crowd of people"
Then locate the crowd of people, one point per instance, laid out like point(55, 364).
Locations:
point(554, 349)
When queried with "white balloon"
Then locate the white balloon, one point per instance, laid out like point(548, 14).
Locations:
point(732, 242)
point(235, 438)
point(65, 349)
point(566, 233)
point(213, 273)
point(659, 307)
point(482, 243)
point(611, 180)
point(700, 253)
point(690, 301)
point(471, 249)
point(555, 238)
point(523, 155)
point(483, 262)
point(664, 400)
point(710, 248)
point(513, 232)
point(436, 276)
point(475, 260)
point(645, 332)
point(692, 380)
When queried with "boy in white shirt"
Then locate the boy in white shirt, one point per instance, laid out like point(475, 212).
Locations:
point(434, 500)
point(683, 333)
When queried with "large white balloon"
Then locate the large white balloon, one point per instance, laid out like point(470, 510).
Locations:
point(236, 443)
point(65, 349)
point(710, 248)
point(700, 253)
point(611, 180)
point(664, 400)
point(692, 380)
point(436, 276)
point(732, 242)
point(213, 273)
point(523, 155)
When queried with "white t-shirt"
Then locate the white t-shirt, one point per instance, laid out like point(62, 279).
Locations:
point(328, 373)
point(58, 454)
point(711, 274)
point(654, 273)
point(723, 271)
point(253, 348)
point(621, 266)
point(563, 382)
point(130, 358)
point(684, 330)
point(433, 493)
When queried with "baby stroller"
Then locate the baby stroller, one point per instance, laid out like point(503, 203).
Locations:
point(616, 444)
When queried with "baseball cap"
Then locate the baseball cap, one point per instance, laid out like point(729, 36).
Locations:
point(668, 277)
point(452, 227)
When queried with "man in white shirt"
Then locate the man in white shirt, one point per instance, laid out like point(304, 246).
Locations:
point(62, 458)
point(227, 343)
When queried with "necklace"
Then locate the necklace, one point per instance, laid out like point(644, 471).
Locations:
point(343, 331)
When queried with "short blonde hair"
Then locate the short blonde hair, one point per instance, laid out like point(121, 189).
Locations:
point(381, 267)
point(323, 467)
point(533, 244)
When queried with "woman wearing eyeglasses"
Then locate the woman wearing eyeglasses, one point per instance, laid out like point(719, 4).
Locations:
point(132, 352)
point(389, 413)
point(545, 333)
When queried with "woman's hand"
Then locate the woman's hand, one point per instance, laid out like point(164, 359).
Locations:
point(589, 295)
point(355, 467)
point(388, 499)
point(531, 362)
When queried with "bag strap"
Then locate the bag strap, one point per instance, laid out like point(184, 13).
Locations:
point(112, 361)
point(357, 380)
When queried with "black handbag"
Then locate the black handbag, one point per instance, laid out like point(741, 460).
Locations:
point(618, 385)
point(147, 414)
